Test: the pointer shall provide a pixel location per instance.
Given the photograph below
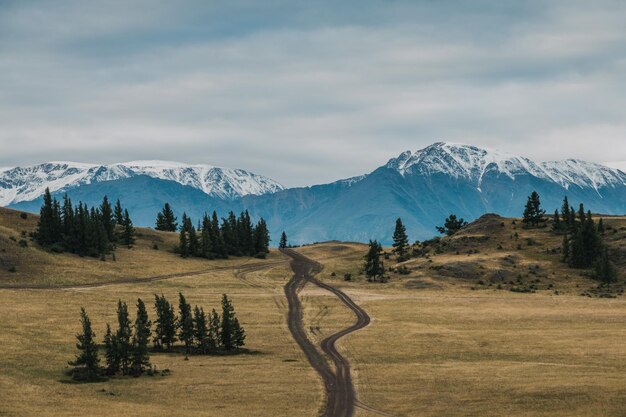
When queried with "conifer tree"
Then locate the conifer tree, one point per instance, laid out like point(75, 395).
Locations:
point(228, 329)
point(214, 331)
point(166, 221)
point(165, 331)
point(140, 358)
point(556, 222)
point(128, 231)
point(374, 267)
point(108, 222)
point(283, 240)
point(239, 334)
point(600, 226)
point(451, 225)
point(533, 213)
point(46, 228)
point(185, 323)
point(565, 248)
point(261, 238)
point(605, 270)
point(87, 364)
point(111, 352)
point(183, 239)
point(118, 213)
point(218, 245)
point(400, 240)
point(123, 337)
point(201, 330)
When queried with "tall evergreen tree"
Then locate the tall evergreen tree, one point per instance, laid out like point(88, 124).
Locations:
point(123, 337)
point(46, 228)
point(183, 238)
point(87, 364)
point(261, 238)
point(556, 222)
point(140, 358)
point(108, 222)
point(605, 270)
point(283, 240)
point(111, 352)
point(600, 226)
point(166, 221)
point(214, 331)
point(400, 240)
point(533, 213)
point(165, 331)
point(128, 231)
point(228, 331)
point(185, 323)
point(201, 330)
point(374, 267)
point(118, 213)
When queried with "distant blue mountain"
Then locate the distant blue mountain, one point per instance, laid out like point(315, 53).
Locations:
point(421, 187)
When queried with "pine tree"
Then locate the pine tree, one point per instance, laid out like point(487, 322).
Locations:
point(600, 227)
point(374, 267)
point(605, 270)
point(533, 213)
point(185, 323)
point(261, 238)
point(111, 352)
point(283, 240)
point(400, 241)
point(239, 334)
point(123, 337)
point(214, 331)
point(165, 331)
point(166, 221)
point(45, 229)
point(451, 225)
point(566, 215)
point(556, 222)
point(227, 331)
point(108, 222)
point(201, 330)
point(118, 213)
point(218, 245)
point(128, 231)
point(140, 359)
point(87, 364)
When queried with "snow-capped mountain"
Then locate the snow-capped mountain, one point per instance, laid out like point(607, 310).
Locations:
point(28, 183)
point(422, 187)
point(472, 163)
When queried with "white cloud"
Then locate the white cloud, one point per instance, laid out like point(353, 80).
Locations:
point(311, 101)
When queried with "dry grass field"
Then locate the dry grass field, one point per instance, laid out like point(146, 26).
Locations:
point(439, 344)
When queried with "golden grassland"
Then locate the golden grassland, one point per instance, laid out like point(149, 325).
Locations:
point(438, 344)
point(35, 266)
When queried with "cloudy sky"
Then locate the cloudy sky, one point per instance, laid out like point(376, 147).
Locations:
point(309, 91)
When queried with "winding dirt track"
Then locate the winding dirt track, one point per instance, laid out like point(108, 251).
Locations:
point(340, 394)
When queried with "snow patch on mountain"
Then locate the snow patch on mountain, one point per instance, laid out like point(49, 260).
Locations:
point(28, 183)
point(472, 163)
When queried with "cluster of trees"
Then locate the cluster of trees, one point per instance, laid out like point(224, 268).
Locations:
point(127, 350)
point(235, 236)
point(82, 230)
point(582, 241)
point(451, 225)
point(582, 245)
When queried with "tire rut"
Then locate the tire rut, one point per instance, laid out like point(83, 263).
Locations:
point(340, 393)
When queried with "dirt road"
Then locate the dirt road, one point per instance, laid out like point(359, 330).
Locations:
point(340, 394)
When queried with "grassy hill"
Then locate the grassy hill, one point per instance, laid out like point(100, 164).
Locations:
point(23, 262)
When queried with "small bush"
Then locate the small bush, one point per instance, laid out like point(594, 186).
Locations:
point(261, 255)
point(333, 274)
point(347, 277)
point(12, 269)
point(155, 246)
point(24, 216)
point(23, 243)
point(403, 270)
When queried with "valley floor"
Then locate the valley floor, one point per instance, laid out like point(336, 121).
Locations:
point(428, 351)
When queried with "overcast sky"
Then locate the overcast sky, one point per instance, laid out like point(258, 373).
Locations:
point(312, 91)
